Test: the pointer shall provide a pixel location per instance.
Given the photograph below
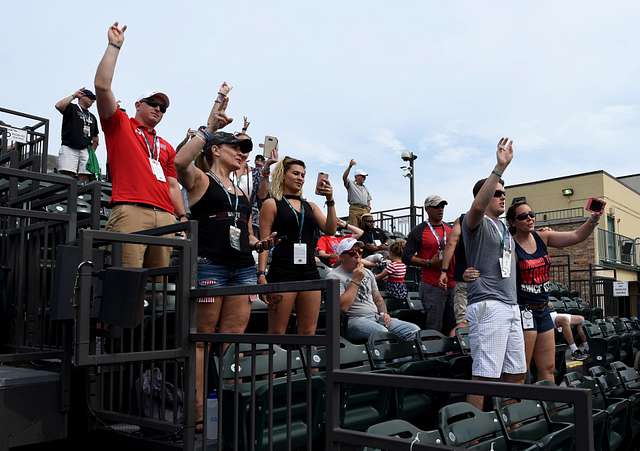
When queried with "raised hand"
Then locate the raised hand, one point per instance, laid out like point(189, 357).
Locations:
point(246, 124)
point(326, 189)
point(352, 163)
point(218, 117)
point(78, 93)
point(504, 154)
point(225, 88)
point(116, 34)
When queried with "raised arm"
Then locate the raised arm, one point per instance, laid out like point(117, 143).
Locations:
point(267, 215)
point(449, 250)
point(327, 223)
point(356, 231)
point(504, 155)
point(263, 188)
point(105, 100)
point(345, 175)
point(564, 239)
point(189, 175)
point(63, 103)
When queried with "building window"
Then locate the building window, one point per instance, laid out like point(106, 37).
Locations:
point(612, 253)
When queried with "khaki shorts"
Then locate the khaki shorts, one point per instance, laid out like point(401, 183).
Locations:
point(355, 213)
point(133, 218)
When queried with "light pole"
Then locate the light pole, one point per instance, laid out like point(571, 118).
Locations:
point(410, 157)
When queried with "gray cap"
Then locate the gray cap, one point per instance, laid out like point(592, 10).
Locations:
point(434, 201)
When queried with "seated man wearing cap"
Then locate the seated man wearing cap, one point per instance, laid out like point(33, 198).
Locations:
point(146, 193)
point(425, 249)
point(79, 131)
point(360, 298)
point(358, 195)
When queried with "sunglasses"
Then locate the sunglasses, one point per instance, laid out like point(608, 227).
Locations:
point(154, 103)
point(354, 252)
point(524, 216)
point(500, 193)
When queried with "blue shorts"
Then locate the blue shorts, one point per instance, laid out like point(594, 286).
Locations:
point(542, 321)
point(224, 276)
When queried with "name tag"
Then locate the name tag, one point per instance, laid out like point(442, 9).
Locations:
point(234, 237)
point(527, 320)
point(156, 168)
point(505, 264)
point(299, 253)
point(86, 130)
point(377, 242)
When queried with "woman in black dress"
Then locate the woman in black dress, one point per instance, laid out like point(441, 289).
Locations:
point(298, 224)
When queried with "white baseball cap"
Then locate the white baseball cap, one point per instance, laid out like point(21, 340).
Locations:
point(347, 244)
point(361, 172)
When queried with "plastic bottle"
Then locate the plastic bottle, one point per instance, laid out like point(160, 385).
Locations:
point(212, 416)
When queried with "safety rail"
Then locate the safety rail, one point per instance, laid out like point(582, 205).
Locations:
point(618, 249)
point(23, 146)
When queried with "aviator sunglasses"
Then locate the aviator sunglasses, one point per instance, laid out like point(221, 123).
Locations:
point(154, 103)
point(500, 193)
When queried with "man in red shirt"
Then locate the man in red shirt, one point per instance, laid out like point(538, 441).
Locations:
point(327, 244)
point(425, 248)
point(146, 193)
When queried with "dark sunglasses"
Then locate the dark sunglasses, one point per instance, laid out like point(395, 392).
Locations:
point(524, 216)
point(500, 193)
point(154, 103)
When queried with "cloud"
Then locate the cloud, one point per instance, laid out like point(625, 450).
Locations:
point(387, 139)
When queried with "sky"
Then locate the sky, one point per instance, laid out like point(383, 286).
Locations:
point(367, 80)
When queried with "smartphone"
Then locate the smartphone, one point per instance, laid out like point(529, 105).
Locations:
point(270, 144)
point(594, 205)
point(322, 176)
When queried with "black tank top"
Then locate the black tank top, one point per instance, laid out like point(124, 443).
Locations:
point(215, 216)
point(533, 274)
point(287, 225)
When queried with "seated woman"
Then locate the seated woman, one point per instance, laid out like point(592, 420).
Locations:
point(298, 224)
point(225, 240)
point(533, 279)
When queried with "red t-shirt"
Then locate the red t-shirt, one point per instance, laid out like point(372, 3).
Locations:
point(128, 155)
point(328, 243)
point(428, 248)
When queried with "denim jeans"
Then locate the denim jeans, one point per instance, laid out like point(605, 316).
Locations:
point(361, 327)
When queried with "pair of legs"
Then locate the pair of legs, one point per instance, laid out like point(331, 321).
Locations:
point(566, 322)
point(438, 305)
point(359, 328)
point(542, 347)
point(497, 344)
point(355, 213)
point(73, 162)
point(232, 314)
point(307, 305)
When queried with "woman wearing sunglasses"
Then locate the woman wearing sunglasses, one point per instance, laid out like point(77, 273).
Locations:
point(533, 265)
point(223, 212)
point(298, 224)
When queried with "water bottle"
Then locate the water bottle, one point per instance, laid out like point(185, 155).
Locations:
point(212, 416)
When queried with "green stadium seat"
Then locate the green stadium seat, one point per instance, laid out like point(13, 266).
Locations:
point(404, 430)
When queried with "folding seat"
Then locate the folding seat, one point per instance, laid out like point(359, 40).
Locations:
point(464, 426)
point(390, 354)
point(617, 408)
point(408, 310)
point(634, 329)
point(434, 345)
point(571, 306)
point(586, 309)
point(603, 350)
point(256, 363)
point(558, 305)
point(406, 431)
point(462, 334)
point(524, 420)
point(625, 337)
point(629, 388)
point(564, 413)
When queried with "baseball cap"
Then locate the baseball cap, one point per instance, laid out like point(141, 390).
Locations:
point(347, 244)
point(246, 145)
point(361, 172)
point(434, 201)
point(87, 93)
point(157, 94)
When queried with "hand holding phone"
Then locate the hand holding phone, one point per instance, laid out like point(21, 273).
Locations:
point(270, 145)
point(595, 205)
point(323, 179)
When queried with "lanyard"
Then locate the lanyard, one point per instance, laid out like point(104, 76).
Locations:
point(226, 191)
point(86, 119)
point(442, 243)
point(299, 220)
point(502, 234)
point(152, 151)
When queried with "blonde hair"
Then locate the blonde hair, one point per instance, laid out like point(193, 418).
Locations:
point(397, 248)
point(203, 158)
point(277, 177)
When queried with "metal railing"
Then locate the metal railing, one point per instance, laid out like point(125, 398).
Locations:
point(397, 220)
point(618, 249)
point(560, 215)
point(32, 153)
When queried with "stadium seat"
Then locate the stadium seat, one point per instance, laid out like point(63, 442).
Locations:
point(464, 426)
point(564, 413)
point(629, 388)
point(408, 310)
point(626, 339)
point(525, 421)
point(462, 334)
point(617, 408)
point(558, 305)
point(434, 345)
point(404, 430)
point(603, 350)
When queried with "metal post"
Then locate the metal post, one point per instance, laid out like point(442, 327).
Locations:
point(412, 210)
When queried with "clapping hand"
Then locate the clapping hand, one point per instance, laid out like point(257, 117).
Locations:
point(116, 34)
